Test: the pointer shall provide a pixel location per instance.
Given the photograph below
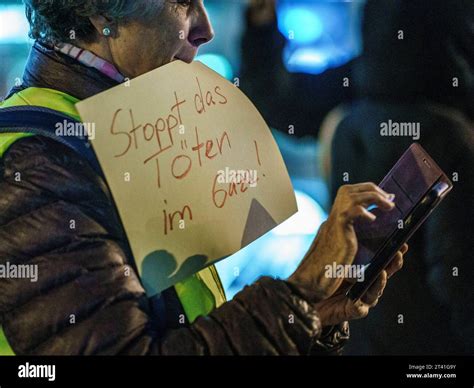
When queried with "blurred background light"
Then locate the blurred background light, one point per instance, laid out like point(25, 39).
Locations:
point(314, 60)
point(278, 252)
point(218, 63)
point(320, 34)
point(300, 23)
point(306, 221)
point(13, 24)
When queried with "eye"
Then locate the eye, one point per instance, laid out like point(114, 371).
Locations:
point(184, 3)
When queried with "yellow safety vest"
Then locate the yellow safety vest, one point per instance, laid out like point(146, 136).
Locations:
point(199, 294)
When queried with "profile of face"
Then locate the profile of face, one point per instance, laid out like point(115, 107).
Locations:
point(168, 30)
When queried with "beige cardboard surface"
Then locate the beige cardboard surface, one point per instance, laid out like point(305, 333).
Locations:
point(173, 144)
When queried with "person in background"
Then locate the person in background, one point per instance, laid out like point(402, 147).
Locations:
point(289, 102)
point(417, 68)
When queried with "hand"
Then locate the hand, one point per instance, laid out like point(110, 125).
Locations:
point(340, 308)
point(336, 241)
point(262, 12)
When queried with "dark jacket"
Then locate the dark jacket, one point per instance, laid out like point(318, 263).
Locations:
point(428, 307)
point(83, 303)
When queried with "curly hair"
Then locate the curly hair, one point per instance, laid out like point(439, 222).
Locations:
point(56, 21)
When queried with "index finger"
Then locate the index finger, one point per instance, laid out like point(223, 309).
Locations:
point(367, 186)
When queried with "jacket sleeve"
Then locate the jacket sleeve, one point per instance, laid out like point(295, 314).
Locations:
point(57, 214)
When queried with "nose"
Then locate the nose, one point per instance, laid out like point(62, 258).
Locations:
point(201, 30)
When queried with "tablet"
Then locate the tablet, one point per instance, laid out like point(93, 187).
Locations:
point(419, 186)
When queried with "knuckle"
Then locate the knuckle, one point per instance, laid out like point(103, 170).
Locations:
point(344, 215)
point(379, 197)
point(342, 190)
point(400, 263)
point(374, 303)
point(358, 210)
point(370, 185)
point(373, 186)
point(362, 312)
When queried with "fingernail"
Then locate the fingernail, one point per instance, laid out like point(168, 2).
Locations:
point(391, 197)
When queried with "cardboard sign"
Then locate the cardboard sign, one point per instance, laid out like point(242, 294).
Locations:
point(194, 170)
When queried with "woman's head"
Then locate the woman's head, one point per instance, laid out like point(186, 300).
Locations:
point(144, 34)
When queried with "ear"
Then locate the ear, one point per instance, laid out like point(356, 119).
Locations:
point(100, 22)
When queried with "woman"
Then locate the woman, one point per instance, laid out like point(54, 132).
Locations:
point(85, 301)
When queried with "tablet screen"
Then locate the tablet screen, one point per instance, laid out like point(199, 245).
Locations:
point(410, 179)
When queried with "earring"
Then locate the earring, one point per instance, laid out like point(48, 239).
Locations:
point(106, 31)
